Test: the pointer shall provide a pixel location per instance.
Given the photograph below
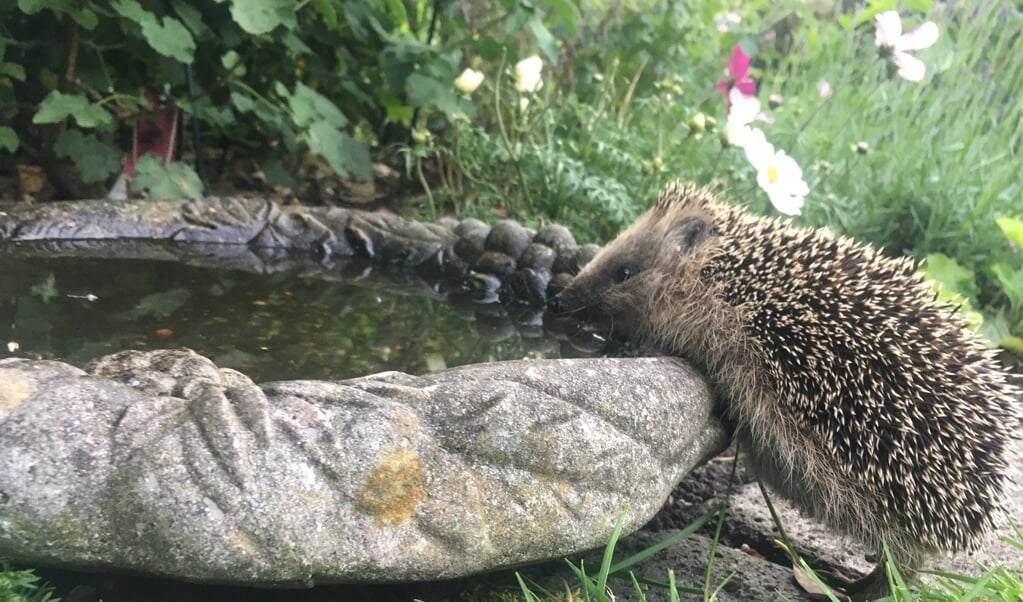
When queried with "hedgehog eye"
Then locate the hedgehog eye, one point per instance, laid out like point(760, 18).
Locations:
point(623, 273)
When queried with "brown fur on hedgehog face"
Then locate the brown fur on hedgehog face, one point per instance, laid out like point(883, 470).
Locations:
point(656, 268)
point(665, 248)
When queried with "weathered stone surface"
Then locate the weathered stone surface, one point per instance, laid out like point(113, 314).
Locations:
point(160, 462)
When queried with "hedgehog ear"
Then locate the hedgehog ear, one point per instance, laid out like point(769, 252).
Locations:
point(687, 234)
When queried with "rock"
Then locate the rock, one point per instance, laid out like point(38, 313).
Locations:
point(162, 463)
point(555, 236)
point(509, 237)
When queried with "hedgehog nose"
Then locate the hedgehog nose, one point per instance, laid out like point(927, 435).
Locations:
point(554, 304)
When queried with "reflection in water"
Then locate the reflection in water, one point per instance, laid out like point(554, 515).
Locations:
point(271, 327)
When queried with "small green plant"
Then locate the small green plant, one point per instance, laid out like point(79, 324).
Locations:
point(596, 587)
point(22, 586)
point(1001, 322)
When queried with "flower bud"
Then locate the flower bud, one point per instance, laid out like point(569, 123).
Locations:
point(698, 123)
point(421, 135)
point(468, 81)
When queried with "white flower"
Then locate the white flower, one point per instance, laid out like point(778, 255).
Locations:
point(777, 174)
point(527, 74)
point(735, 134)
point(897, 45)
point(468, 81)
point(742, 111)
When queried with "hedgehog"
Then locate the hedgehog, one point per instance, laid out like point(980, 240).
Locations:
point(853, 392)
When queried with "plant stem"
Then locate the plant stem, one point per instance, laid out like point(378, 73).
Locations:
point(508, 145)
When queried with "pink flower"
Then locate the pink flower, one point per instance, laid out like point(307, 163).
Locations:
point(738, 75)
point(896, 45)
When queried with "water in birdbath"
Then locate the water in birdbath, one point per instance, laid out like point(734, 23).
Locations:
point(271, 327)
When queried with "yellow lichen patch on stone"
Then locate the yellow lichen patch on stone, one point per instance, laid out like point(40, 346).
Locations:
point(13, 391)
point(393, 489)
point(245, 542)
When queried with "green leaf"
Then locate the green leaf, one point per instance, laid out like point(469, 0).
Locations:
point(327, 10)
point(518, 19)
point(1011, 282)
point(57, 106)
point(423, 89)
point(323, 106)
point(219, 116)
point(396, 10)
point(242, 102)
point(567, 12)
point(8, 139)
point(920, 6)
point(170, 38)
point(191, 17)
point(263, 16)
point(31, 7)
point(356, 155)
point(278, 175)
point(1012, 343)
point(232, 62)
point(874, 7)
point(84, 15)
point(263, 110)
point(308, 106)
point(295, 45)
point(13, 70)
point(344, 154)
point(954, 279)
point(995, 328)
point(174, 181)
point(490, 49)
point(1013, 229)
point(397, 111)
point(544, 39)
point(95, 160)
point(326, 142)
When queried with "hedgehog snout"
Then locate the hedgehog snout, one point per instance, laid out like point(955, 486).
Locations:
point(569, 300)
point(558, 307)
